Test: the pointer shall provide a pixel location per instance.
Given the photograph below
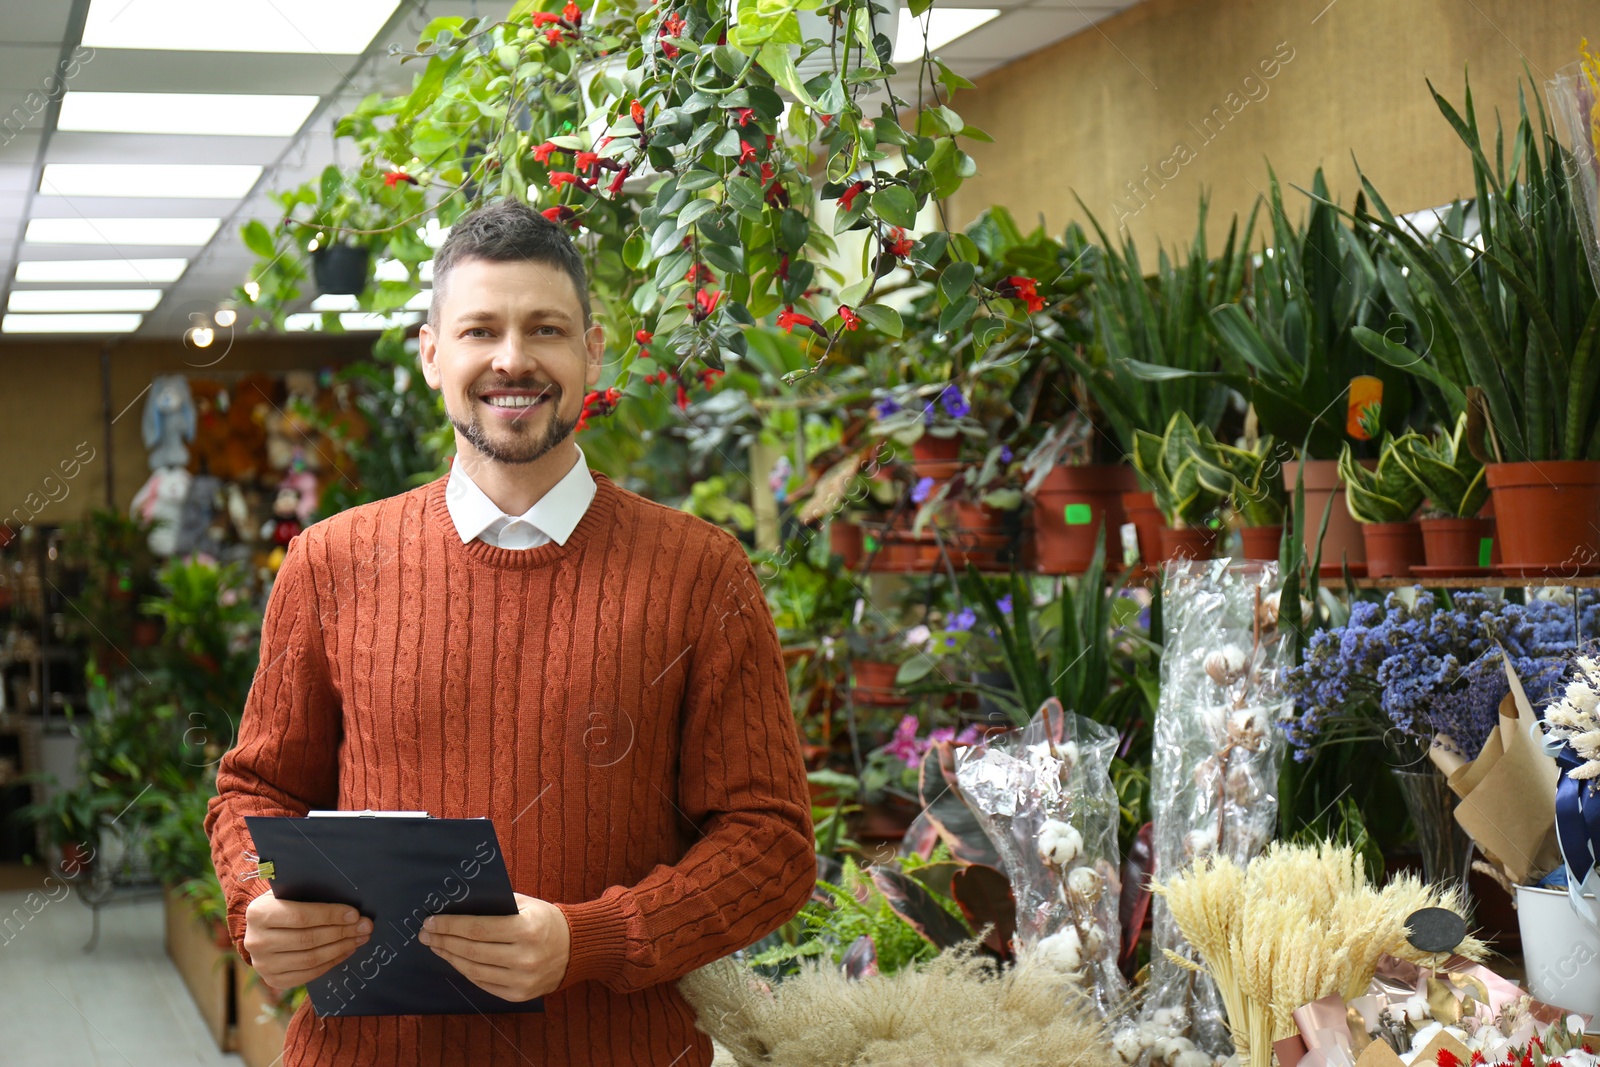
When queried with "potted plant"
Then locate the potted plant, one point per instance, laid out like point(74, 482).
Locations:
point(1383, 500)
point(1153, 354)
point(933, 419)
point(877, 651)
point(1191, 482)
point(1309, 379)
point(1521, 323)
point(1257, 495)
point(1454, 537)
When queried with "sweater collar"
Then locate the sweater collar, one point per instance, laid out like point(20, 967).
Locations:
point(556, 514)
point(595, 519)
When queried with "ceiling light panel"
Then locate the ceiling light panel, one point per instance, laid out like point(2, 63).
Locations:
point(56, 271)
point(174, 232)
point(311, 26)
point(943, 25)
point(352, 321)
point(207, 181)
point(235, 114)
point(340, 302)
point(83, 299)
point(70, 323)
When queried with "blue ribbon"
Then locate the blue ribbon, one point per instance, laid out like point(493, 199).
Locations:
point(1577, 818)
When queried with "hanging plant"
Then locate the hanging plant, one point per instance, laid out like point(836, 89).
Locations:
point(688, 147)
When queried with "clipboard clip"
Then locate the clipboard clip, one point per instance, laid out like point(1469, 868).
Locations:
point(263, 868)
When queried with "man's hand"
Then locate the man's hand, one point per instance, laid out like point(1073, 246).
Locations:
point(291, 942)
point(515, 957)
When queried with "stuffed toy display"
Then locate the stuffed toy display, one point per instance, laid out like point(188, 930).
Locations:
point(169, 421)
point(160, 500)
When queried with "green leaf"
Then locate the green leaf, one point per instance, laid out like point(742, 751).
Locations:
point(956, 315)
point(897, 205)
point(695, 210)
point(778, 61)
point(956, 281)
point(258, 239)
point(884, 319)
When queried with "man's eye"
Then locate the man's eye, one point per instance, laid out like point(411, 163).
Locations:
point(477, 331)
point(548, 331)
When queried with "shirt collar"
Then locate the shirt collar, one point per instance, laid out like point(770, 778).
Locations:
point(557, 513)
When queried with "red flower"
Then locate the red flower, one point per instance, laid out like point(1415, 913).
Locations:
point(636, 111)
point(683, 398)
point(585, 161)
point(789, 318)
point(545, 18)
point(1446, 1058)
point(899, 244)
point(699, 273)
point(1026, 290)
point(705, 302)
point(767, 172)
point(708, 376)
point(851, 319)
point(744, 114)
point(573, 14)
point(777, 194)
point(607, 139)
point(847, 198)
point(542, 152)
point(747, 152)
point(644, 337)
point(552, 36)
point(783, 266)
point(615, 188)
point(558, 178)
point(673, 25)
point(395, 177)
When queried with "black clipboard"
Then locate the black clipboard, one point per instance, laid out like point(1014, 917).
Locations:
point(396, 871)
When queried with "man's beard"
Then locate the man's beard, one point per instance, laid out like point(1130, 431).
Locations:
point(526, 446)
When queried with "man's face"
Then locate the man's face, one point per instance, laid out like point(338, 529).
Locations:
point(512, 357)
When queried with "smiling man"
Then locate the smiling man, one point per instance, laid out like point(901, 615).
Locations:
point(527, 641)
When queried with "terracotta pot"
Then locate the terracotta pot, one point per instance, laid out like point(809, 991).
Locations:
point(845, 541)
point(929, 447)
point(940, 470)
point(1455, 542)
point(1343, 540)
point(1547, 515)
point(980, 536)
point(1262, 542)
point(1393, 548)
point(873, 683)
point(1191, 542)
point(1140, 509)
point(1070, 507)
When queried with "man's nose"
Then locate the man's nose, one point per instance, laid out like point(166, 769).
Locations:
point(514, 357)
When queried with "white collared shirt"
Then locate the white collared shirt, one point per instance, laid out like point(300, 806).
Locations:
point(553, 516)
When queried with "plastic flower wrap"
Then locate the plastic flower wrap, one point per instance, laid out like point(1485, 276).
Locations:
point(1218, 750)
point(1575, 96)
point(1045, 799)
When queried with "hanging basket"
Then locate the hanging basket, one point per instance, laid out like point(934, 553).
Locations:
point(341, 270)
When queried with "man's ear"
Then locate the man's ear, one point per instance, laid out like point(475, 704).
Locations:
point(428, 355)
point(594, 340)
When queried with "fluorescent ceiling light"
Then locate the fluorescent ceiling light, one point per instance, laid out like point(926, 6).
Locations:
point(70, 323)
point(343, 28)
point(224, 181)
point(339, 302)
point(83, 299)
point(240, 114)
point(943, 25)
point(121, 231)
point(101, 270)
point(392, 270)
point(354, 322)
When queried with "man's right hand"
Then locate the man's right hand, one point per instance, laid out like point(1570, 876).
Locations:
point(291, 942)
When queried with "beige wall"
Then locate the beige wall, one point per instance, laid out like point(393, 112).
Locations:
point(1089, 114)
point(52, 418)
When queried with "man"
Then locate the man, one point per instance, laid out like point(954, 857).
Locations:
point(525, 640)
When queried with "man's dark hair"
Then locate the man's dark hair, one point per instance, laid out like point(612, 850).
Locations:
point(507, 231)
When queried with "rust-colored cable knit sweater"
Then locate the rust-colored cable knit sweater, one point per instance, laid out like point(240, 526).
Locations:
point(617, 705)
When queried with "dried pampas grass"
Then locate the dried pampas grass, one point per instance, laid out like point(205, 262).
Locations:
point(953, 1011)
point(1301, 922)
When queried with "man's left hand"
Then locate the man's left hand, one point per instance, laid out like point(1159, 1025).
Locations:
point(515, 957)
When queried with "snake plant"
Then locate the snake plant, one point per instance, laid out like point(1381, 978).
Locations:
point(1386, 493)
point(1185, 470)
point(1447, 472)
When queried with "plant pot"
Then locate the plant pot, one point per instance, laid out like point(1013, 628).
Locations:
point(928, 447)
point(1547, 516)
point(206, 968)
point(1343, 541)
point(1559, 950)
point(845, 541)
point(1262, 542)
point(1191, 542)
point(1393, 548)
point(1455, 542)
point(341, 270)
point(146, 632)
point(1140, 509)
point(1070, 507)
point(988, 712)
point(980, 537)
point(873, 683)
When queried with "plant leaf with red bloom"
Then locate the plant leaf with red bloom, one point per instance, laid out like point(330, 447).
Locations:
point(636, 112)
point(847, 199)
point(558, 178)
point(789, 318)
point(744, 115)
point(851, 319)
point(699, 273)
point(585, 161)
point(553, 35)
point(705, 302)
point(747, 152)
point(545, 18)
point(573, 14)
point(683, 398)
point(395, 177)
point(899, 245)
point(542, 152)
point(644, 337)
point(1024, 289)
point(615, 188)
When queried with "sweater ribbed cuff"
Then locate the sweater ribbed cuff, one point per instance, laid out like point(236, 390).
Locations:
point(598, 940)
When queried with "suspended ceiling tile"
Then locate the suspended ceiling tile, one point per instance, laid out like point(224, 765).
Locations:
point(127, 207)
point(15, 177)
point(140, 71)
point(20, 148)
point(162, 148)
point(33, 67)
point(35, 21)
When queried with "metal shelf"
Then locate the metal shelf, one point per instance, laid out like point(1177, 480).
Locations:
point(1488, 582)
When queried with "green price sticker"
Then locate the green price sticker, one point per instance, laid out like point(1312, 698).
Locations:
point(1485, 550)
point(1078, 514)
point(871, 543)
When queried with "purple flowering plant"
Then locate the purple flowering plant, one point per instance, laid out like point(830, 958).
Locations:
point(1409, 672)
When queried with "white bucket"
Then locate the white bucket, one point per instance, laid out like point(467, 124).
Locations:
point(1561, 951)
